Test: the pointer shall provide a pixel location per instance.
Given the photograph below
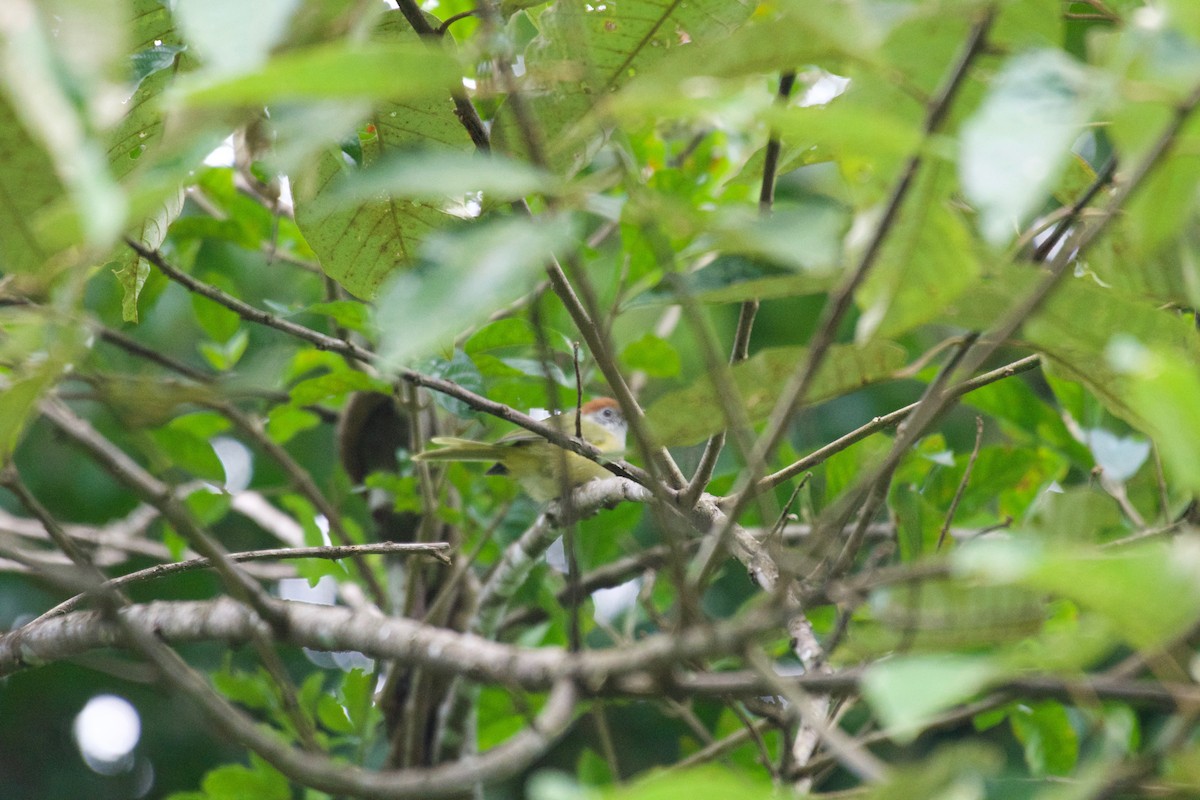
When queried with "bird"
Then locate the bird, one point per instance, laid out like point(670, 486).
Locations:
point(535, 463)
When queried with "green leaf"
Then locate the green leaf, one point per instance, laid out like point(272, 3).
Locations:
point(866, 141)
point(466, 276)
point(734, 279)
point(357, 696)
point(46, 74)
point(132, 278)
point(285, 421)
point(360, 244)
point(702, 783)
point(462, 370)
point(1017, 142)
point(132, 269)
point(1161, 386)
point(502, 334)
point(236, 782)
point(176, 545)
point(250, 689)
point(154, 59)
point(842, 470)
point(603, 48)
point(1028, 416)
point(335, 384)
point(236, 48)
point(759, 381)
point(347, 313)
point(332, 715)
point(1051, 744)
point(733, 51)
point(373, 70)
point(209, 507)
point(219, 322)
point(437, 176)
point(29, 184)
point(403, 489)
point(653, 356)
point(909, 691)
point(926, 263)
point(202, 424)
point(1148, 592)
point(1078, 514)
point(1077, 327)
point(224, 357)
point(18, 404)
point(803, 235)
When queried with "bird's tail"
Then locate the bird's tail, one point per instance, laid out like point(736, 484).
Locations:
point(452, 449)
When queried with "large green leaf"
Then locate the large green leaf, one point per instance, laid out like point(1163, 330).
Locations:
point(437, 176)
point(158, 52)
point(908, 691)
point(44, 75)
point(27, 185)
point(759, 381)
point(393, 70)
point(228, 48)
point(832, 31)
point(586, 51)
point(360, 243)
point(733, 279)
point(1148, 592)
point(1051, 744)
point(1075, 327)
point(464, 276)
point(927, 261)
point(1160, 386)
point(1015, 145)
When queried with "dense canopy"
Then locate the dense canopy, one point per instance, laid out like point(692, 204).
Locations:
point(897, 298)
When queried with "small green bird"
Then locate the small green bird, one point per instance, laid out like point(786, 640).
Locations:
point(535, 463)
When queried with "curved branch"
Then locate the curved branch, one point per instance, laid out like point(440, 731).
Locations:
point(395, 638)
point(332, 553)
point(350, 350)
point(840, 301)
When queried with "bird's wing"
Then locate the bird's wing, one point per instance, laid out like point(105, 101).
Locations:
point(453, 449)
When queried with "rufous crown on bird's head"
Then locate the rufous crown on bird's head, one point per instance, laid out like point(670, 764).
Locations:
point(605, 412)
point(592, 406)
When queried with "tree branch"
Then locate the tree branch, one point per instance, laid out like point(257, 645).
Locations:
point(350, 350)
point(331, 553)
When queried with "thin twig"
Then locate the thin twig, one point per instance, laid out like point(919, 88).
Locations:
point(888, 420)
point(304, 483)
point(162, 497)
point(329, 552)
point(240, 585)
point(350, 350)
point(962, 484)
point(841, 300)
point(934, 403)
point(140, 350)
point(1103, 177)
point(749, 308)
point(811, 712)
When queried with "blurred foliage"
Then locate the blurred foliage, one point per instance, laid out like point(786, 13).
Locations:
point(322, 162)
